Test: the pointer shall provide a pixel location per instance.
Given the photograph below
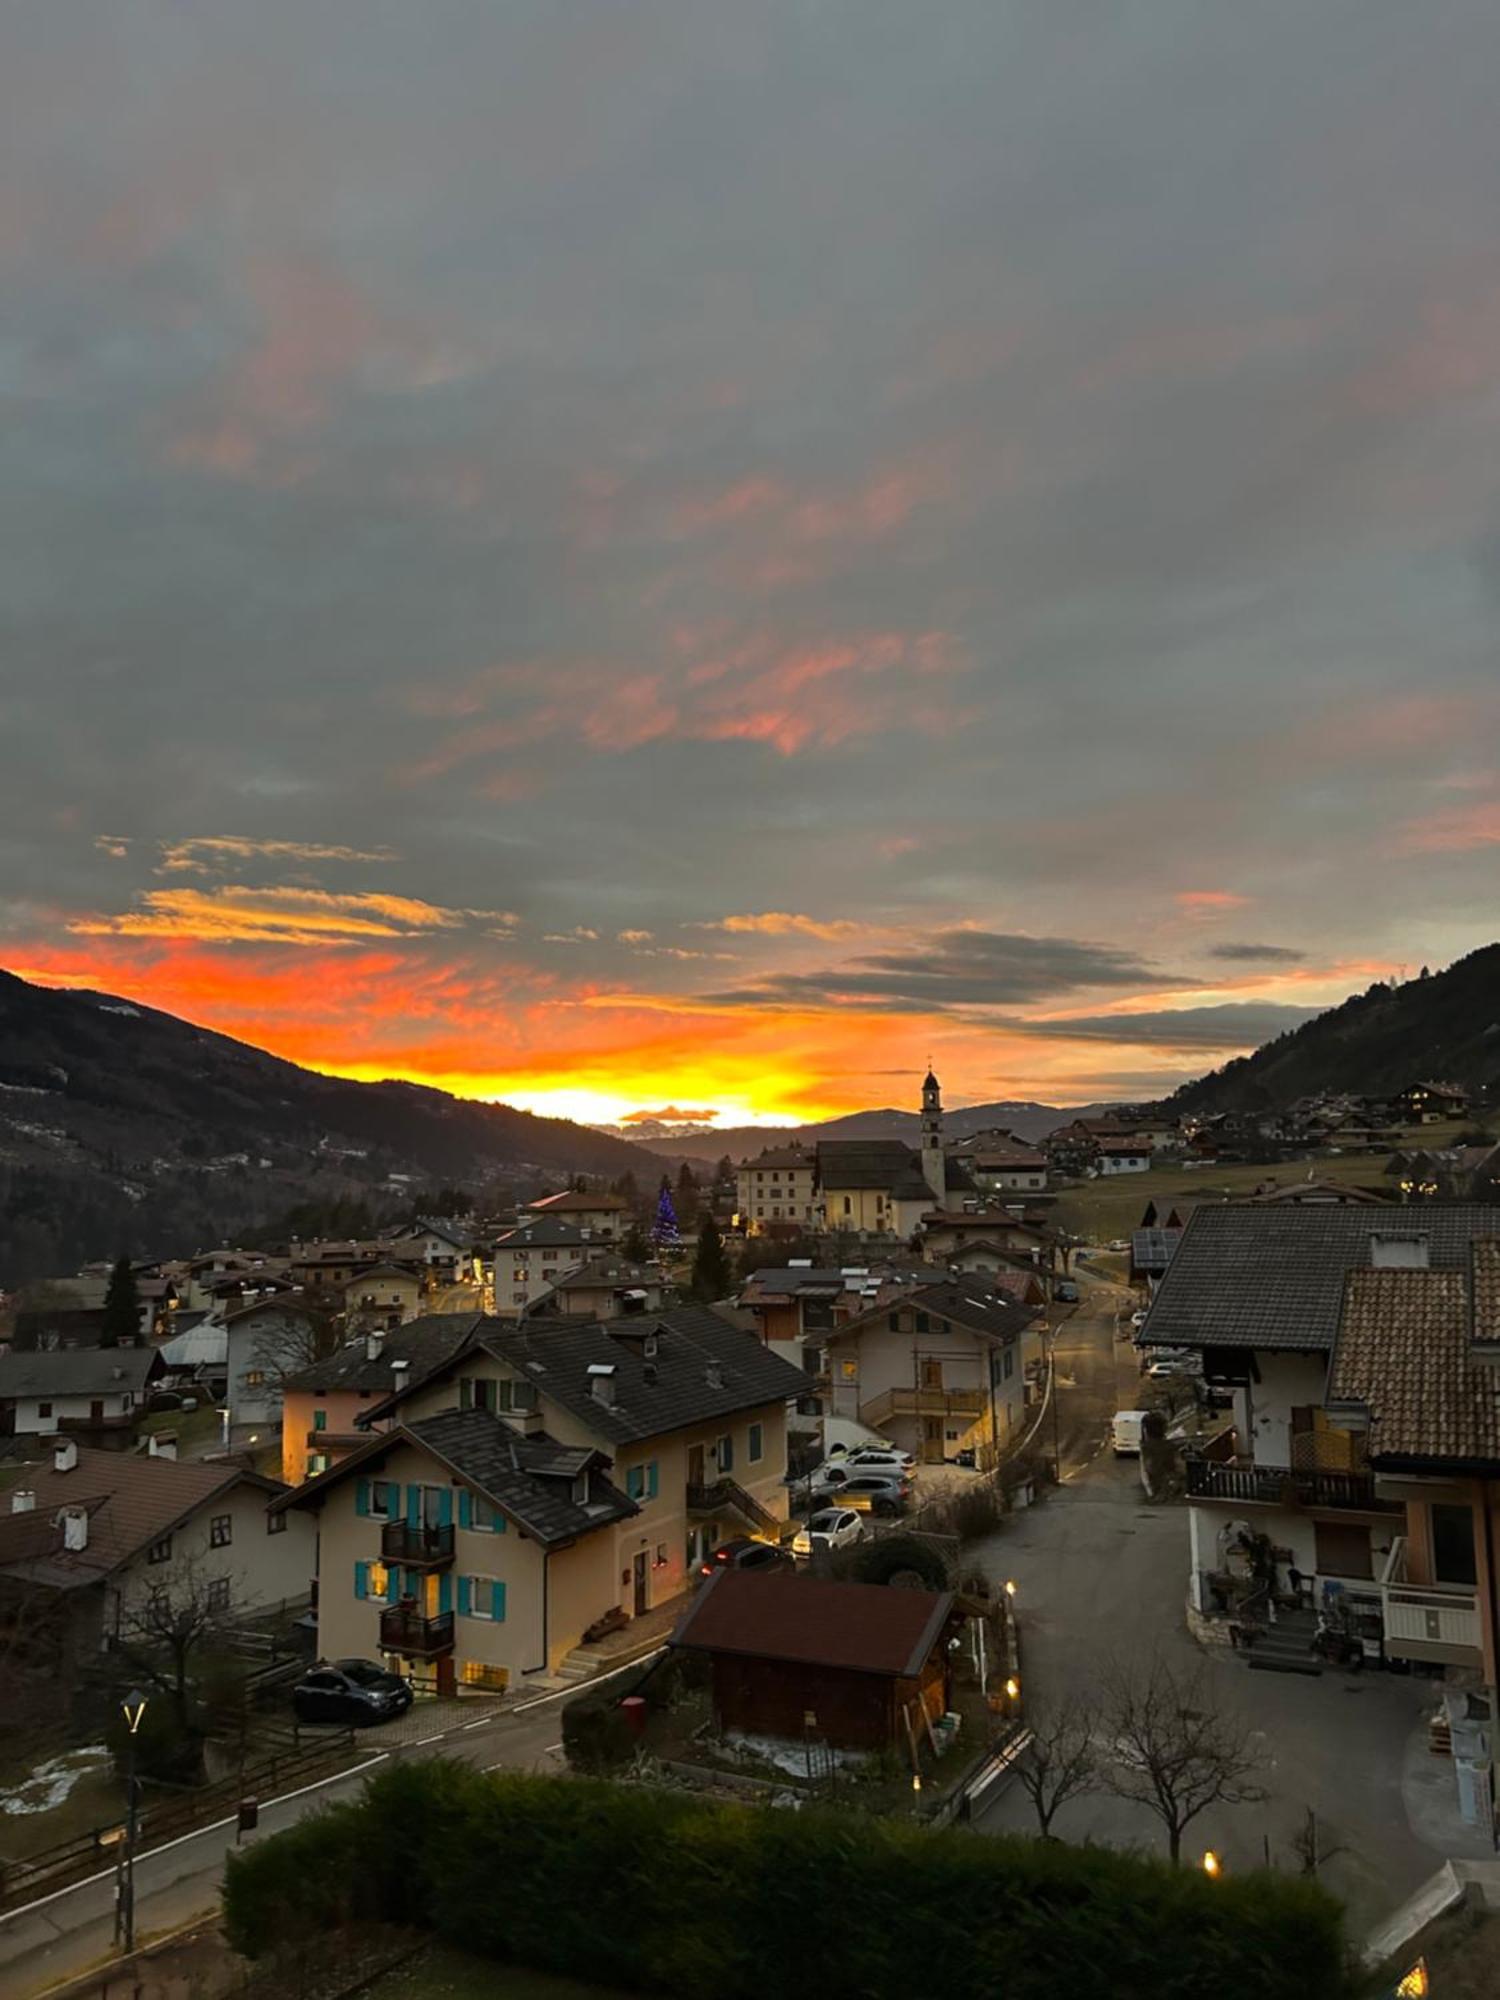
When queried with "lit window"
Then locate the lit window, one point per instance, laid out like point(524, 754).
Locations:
point(480, 1674)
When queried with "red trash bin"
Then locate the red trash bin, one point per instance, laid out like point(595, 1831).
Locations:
point(633, 1708)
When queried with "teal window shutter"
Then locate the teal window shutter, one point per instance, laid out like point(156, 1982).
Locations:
point(651, 1480)
point(445, 1593)
point(392, 1584)
point(414, 1506)
point(465, 1596)
point(465, 1512)
point(445, 1508)
point(635, 1482)
point(465, 1392)
point(361, 1579)
point(361, 1496)
point(497, 1602)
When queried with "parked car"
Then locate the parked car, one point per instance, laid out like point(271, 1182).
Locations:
point(829, 1528)
point(871, 1492)
point(1125, 1433)
point(873, 1457)
point(744, 1552)
point(354, 1692)
point(1066, 1292)
point(1119, 1244)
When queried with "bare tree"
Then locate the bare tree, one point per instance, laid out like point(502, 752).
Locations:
point(1063, 1760)
point(36, 1671)
point(165, 1635)
point(1172, 1751)
point(304, 1332)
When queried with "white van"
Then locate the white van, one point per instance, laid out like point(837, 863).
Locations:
point(1127, 1433)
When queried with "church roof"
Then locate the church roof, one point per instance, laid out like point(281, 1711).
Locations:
point(930, 1082)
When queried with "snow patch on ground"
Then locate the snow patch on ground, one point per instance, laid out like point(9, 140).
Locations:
point(50, 1783)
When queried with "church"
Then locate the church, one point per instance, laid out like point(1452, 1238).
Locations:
point(883, 1187)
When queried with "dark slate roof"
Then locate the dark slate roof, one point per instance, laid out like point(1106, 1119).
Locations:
point(606, 1270)
point(865, 1163)
point(1273, 1277)
point(692, 1343)
point(78, 1371)
point(530, 1479)
point(543, 1234)
point(861, 1628)
point(424, 1343)
point(992, 1315)
point(1405, 1354)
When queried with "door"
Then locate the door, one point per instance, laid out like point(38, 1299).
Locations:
point(96, 1410)
point(932, 1440)
point(695, 1465)
point(932, 1374)
point(641, 1568)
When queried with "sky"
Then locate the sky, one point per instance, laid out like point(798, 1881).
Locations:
point(690, 558)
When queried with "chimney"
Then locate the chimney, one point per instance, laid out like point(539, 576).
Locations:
point(374, 1344)
point(75, 1527)
point(398, 1375)
point(23, 1501)
point(65, 1455)
point(602, 1382)
point(162, 1444)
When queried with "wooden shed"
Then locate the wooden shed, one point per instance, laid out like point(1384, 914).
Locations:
point(855, 1662)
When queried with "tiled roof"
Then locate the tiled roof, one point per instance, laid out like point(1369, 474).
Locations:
point(863, 1628)
point(569, 1202)
point(132, 1501)
point(530, 1478)
point(794, 1158)
point(541, 1235)
point(1405, 1353)
point(606, 1271)
point(864, 1163)
point(1247, 1276)
point(78, 1371)
point(993, 1315)
point(424, 1344)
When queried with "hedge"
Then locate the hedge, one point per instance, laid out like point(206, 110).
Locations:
point(662, 1892)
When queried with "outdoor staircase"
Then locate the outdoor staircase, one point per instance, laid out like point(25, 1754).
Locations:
point(1286, 1646)
point(582, 1664)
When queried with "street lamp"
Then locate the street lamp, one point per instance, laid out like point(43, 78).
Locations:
point(133, 1707)
point(1212, 1865)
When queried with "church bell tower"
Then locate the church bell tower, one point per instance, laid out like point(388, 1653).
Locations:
point(932, 1138)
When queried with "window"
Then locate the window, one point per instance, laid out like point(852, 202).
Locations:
point(253, 1378)
point(581, 1490)
point(482, 1515)
point(641, 1481)
point(221, 1531)
point(724, 1453)
point(756, 1449)
point(848, 1206)
point(921, 1323)
point(160, 1552)
point(481, 1597)
point(661, 1556)
point(894, 1323)
point(480, 1674)
point(1341, 1549)
point(1453, 1545)
point(1010, 1362)
point(320, 1420)
point(317, 1461)
point(44, 1409)
point(385, 1499)
point(276, 1524)
point(218, 1593)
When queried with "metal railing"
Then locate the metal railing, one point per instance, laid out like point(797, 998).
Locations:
point(403, 1630)
point(416, 1545)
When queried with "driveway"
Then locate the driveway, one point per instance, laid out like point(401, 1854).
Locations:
point(1102, 1577)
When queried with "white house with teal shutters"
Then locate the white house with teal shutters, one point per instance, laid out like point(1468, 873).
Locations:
point(459, 1551)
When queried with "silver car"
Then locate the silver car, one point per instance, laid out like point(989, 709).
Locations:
point(829, 1528)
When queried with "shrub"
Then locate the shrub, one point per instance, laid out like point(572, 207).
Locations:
point(899, 1556)
point(658, 1892)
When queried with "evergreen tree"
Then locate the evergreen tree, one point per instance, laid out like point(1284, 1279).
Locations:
point(711, 1273)
point(635, 1246)
point(664, 1231)
point(122, 1306)
point(687, 1195)
point(724, 1174)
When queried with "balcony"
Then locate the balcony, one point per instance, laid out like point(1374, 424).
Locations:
point(417, 1547)
point(403, 1629)
point(923, 1403)
point(119, 1420)
point(1283, 1486)
point(1428, 1621)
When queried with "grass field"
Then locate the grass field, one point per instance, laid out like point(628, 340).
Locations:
point(1101, 1210)
point(439, 1973)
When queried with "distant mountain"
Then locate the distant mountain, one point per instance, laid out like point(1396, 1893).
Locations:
point(125, 1128)
point(1443, 1026)
point(1026, 1119)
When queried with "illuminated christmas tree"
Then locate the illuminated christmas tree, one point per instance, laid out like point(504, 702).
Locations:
point(664, 1231)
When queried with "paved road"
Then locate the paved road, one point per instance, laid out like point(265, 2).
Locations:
point(74, 1930)
point(1096, 1373)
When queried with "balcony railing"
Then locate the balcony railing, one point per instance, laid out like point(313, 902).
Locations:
point(923, 1403)
point(403, 1629)
point(1283, 1486)
point(1428, 1621)
point(118, 1420)
point(416, 1546)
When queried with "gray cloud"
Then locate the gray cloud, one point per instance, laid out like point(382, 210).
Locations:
point(1229, 1025)
point(1257, 954)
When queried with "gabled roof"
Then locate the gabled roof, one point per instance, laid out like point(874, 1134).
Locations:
point(1247, 1276)
point(424, 1344)
point(862, 1628)
point(702, 1368)
point(570, 1202)
point(865, 1163)
point(530, 1479)
point(132, 1501)
point(797, 1159)
point(402, 1271)
point(606, 1271)
point(78, 1371)
point(991, 1315)
point(544, 1234)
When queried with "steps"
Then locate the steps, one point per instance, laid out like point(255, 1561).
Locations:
point(1286, 1646)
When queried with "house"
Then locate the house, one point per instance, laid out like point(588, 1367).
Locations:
point(946, 1231)
point(1447, 1173)
point(91, 1393)
point(385, 1295)
point(939, 1371)
point(602, 1217)
point(1428, 1103)
point(607, 1287)
point(443, 1251)
point(330, 1266)
point(266, 1340)
point(91, 1535)
point(44, 1328)
point(196, 1357)
point(1121, 1156)
point(794, 1306)
point(452, 1545)
point(531, 1258)
point(322, 1402)
point(1315, 1193)
point(1009, 1171)
point(1281, 1303)
point(856, 1664)
point(780, 1185)
point(692, 1411)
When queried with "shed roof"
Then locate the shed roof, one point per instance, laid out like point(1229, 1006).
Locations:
point(862, 1628)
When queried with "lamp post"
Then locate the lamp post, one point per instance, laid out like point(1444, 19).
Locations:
point(133, 1707)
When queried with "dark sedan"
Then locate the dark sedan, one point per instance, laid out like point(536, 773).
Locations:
point(352, 1692)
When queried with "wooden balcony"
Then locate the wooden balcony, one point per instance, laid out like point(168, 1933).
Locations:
point(1284, 1486)
point(119, 1420)
point(415, 1546)
point(403, 1629)
point(923, 1403)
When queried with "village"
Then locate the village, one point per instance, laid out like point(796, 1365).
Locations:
point(902, 1477)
